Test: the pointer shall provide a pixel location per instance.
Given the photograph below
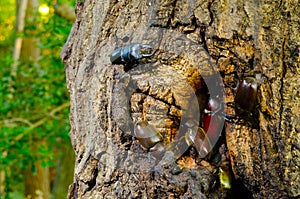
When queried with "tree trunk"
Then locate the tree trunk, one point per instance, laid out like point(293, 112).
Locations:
point(196, 44)
point(20, 24)
point(63, 171)
point(37, 183)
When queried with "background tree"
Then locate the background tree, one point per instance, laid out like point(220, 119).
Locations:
point(242, 38)
point(34, 112)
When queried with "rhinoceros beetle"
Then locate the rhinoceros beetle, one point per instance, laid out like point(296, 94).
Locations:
point(244, 104)
point(213, 119)
point(245, 99)
point(131, 53)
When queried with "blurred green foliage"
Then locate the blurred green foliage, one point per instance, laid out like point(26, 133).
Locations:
point(35, 103)
point(7, 16)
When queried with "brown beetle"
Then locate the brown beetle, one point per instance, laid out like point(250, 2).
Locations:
point(147, 135)
point(245, 98)
point(151, 139)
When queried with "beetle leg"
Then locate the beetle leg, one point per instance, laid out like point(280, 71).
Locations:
point(229, 118)
point(231, 104)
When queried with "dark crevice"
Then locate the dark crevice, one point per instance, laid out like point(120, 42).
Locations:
point(238, 191)
point(282, 82)
point(251, 62)
point(159, 99)
point(80, 158)
point(172, 15)
point(283, 117)
point(203, 37)
point(91, 184)
point(211, 15)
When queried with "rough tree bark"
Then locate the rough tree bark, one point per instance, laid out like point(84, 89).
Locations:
point(189, 37)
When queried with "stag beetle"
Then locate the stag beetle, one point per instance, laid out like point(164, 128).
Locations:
point(131, 53)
